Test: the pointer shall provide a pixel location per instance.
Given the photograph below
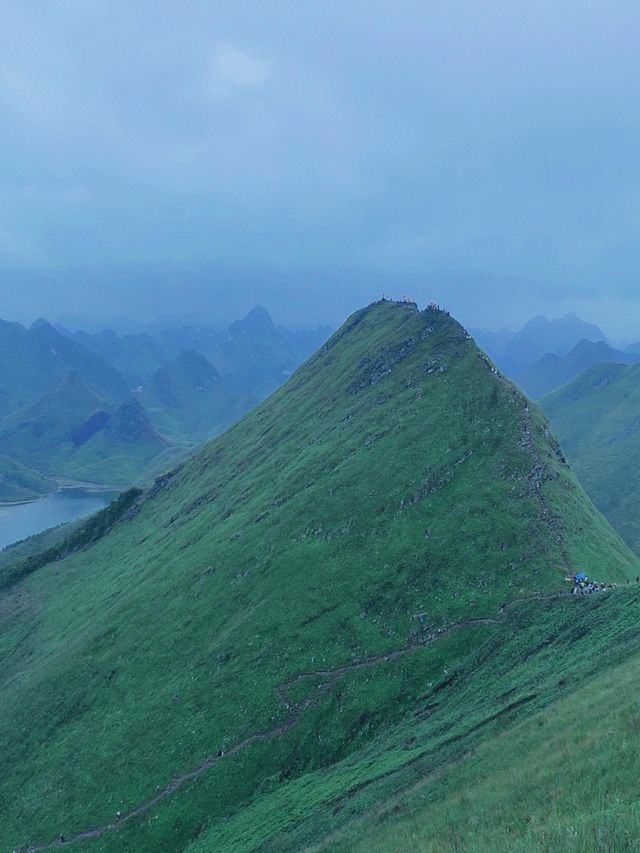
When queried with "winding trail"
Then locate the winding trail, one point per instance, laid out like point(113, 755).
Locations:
point(293, 711)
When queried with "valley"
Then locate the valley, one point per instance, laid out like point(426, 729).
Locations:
point(114, 410)
point(21, 520)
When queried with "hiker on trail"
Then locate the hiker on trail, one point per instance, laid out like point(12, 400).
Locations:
point(583, 586)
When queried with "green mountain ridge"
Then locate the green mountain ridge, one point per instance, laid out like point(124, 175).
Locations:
point(360, 578)
point(554, 371)
point(74, 432)
point(596, 419)
point(41, 430)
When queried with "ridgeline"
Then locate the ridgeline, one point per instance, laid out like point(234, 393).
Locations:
point(344, 594)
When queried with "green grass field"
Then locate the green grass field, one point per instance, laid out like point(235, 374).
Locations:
point(261, 601)
point(561, 779)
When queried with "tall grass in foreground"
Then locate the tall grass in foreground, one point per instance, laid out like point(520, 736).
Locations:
point(565, 780)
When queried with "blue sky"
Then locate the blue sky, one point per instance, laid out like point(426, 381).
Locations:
point(198, 157)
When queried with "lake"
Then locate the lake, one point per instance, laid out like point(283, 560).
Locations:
point(21, 520)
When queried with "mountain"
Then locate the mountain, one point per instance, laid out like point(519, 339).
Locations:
point(72, 432)
point(493, 343)
point(166, 365)
point(41, 432)
point(253, 356)
point(541, 336)
point(20, 483)
point(597, 420)
point(189, 374)
point(44, 427)
point(356, 584)
point(136, 356)
point(33, 360)
point(187, 397)
point(70, 355)
point(554, 371)
point(123, 450)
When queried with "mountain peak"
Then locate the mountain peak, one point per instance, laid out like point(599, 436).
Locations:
point(42, 326)
point(74, 383)
point(130, 423)
point(257, 321)
point(259, 314)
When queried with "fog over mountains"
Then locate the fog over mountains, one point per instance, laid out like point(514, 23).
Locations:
point(105, 409)
point(73, 402)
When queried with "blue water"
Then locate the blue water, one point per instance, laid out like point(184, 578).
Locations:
point(21, 520)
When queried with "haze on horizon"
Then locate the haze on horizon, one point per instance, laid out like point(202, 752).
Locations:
point(197, 158)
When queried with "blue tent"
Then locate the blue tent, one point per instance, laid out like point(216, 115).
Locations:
point(581, 576)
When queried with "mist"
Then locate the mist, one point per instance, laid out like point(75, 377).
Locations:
point(194, 159)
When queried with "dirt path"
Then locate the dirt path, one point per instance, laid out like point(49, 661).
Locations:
point(293, 713)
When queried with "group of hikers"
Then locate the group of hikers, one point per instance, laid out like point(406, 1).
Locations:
point(583, 586)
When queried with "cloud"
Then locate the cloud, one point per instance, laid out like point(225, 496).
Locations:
point(232, 66)
point(474, 154)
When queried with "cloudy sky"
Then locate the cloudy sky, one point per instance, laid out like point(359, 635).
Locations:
point(195, 157)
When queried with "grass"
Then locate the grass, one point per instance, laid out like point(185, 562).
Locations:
point(83, 535)
point(20, 483)
point(563, 779)
point(396, 473)
point(595, 417)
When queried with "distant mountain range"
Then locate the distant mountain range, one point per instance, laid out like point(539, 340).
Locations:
point(33, 360)
point(236, 352)
point(105, 408)
point(553, 371)
point(516, 352)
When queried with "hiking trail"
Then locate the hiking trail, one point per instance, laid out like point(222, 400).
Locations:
point(293, 713)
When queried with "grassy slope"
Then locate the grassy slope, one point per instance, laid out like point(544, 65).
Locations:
point(596, 419)
point(489, 755)
point(563, 779)
point(123, 451)
point(19, 483)
point(395, 473)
